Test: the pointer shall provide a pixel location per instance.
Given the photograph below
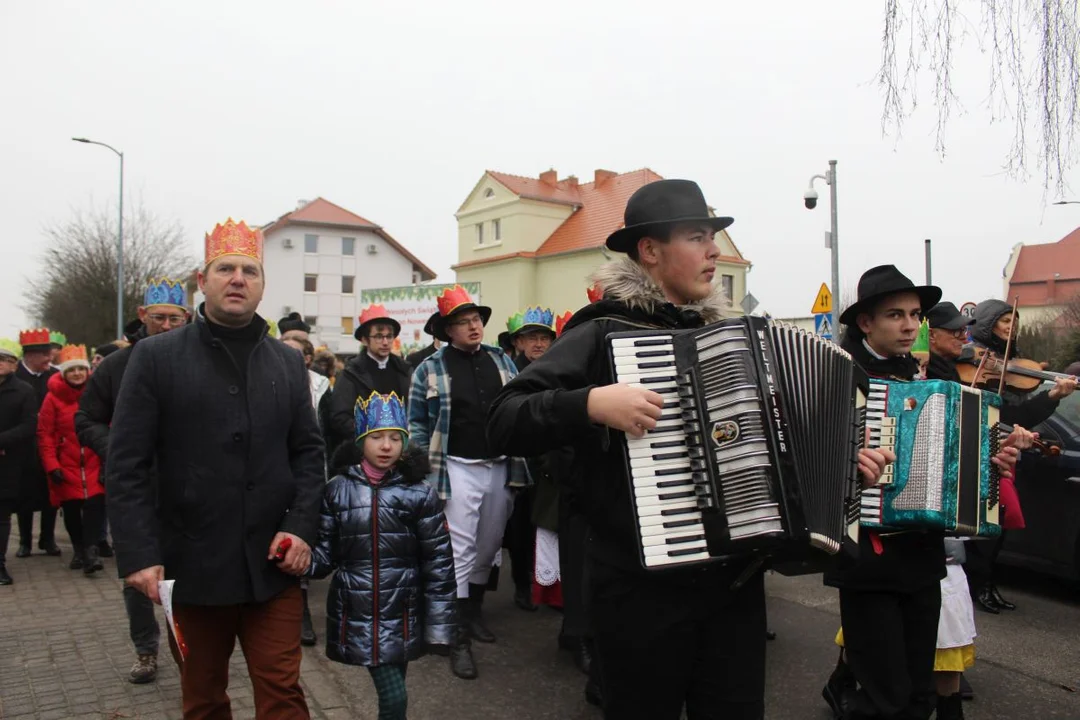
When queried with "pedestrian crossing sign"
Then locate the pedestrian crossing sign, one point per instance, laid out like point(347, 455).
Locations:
point(823, 325)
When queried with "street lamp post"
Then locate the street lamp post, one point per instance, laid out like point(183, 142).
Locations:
point(119, 241)
point(810, 200)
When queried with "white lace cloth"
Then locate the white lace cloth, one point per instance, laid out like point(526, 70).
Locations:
point(547, 557)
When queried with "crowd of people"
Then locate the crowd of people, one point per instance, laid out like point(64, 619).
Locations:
point(243, 467)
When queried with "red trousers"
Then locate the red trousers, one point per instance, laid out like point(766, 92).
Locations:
point(269, 635)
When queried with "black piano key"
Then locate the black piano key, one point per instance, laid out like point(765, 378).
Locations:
point(681, 523)
point(684, 540)
point(676, 496)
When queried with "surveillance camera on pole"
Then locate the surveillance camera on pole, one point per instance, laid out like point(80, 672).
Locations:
point(810, 198)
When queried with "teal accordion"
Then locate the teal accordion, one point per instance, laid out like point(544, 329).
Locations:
point(944, 435)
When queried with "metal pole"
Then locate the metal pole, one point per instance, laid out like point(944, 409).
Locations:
point(120, 259)
point(929, 280)
point(835, 315)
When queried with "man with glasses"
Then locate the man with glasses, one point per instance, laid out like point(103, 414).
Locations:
point(375, 369)
point(164, 309)
point(948, 337)
point(452, 391)
point(18, 423)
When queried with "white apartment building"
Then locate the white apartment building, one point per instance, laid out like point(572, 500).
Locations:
point(319, 257)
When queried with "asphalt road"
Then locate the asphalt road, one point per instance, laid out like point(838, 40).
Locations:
point(1028, 661)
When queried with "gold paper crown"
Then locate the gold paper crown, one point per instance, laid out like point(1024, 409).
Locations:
point(73, 354)
point(234, 239)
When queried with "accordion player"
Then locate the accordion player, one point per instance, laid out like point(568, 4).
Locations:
point(944, 435)
point(756, 450)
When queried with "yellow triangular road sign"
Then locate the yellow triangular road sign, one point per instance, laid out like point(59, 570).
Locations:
point(823, 302)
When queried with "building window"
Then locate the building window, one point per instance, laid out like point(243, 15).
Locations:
point(727, 286)
point(311, 244)
point(311, 283)
point(480, 233)
point(489, 193)
point(348, 246)
point(347, 325)
point(496, 229)
point(347, 282)
point(311, 321)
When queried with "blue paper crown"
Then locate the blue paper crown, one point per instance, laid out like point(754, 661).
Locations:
point(163, 291)
point(539, 316)
point(380, 412)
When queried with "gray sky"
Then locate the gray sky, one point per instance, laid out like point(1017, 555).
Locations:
point(394, 111)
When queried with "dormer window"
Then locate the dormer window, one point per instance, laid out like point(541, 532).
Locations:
point(489, 193)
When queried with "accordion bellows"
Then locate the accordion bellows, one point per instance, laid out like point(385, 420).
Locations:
point(944, 435)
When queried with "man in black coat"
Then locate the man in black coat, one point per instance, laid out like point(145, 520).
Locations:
point(948, 333)
point(375, 369)
point(92, 421)
point(35, 369)
point(224, 413)
point(18, 423)
point(414, 359)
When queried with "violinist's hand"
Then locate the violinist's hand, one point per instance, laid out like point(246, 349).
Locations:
point(1020, 438)
point(1063, 388)
point(1006, 460)
point(872, 464)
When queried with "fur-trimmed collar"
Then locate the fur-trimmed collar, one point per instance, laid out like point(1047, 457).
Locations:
point(625, 281)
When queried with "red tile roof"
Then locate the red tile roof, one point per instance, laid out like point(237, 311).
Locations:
point(323, 212)
point(1038, 263)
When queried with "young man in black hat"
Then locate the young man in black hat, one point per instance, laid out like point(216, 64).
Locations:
point(890, 596)
point(293, 326)
point(685, 636)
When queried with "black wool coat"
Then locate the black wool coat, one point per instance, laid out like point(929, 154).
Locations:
point(98, 401)
point(34, 486)
point(18, 425)
point(236, 462)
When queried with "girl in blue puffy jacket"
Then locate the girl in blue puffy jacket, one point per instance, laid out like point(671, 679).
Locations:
point(382, 530)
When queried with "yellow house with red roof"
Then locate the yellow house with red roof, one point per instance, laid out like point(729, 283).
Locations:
point(535, 241)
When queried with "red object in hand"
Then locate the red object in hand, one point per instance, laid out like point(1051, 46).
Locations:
point(282, 548)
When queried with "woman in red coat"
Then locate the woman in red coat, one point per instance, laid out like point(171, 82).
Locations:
point(73, 470)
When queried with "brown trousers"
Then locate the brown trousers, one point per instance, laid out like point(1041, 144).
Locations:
point(269, 635)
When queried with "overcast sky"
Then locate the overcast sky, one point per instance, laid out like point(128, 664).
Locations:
point(394, 110)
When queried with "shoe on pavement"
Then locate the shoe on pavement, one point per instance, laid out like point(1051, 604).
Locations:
point(105, 549)
point(23, 551)
point(144, 670)
point(5, 579)
point(50, 548)
point(523, 599)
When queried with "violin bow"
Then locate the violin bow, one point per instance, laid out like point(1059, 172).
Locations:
point(1008, 346)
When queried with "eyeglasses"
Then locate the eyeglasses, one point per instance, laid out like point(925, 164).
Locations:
point(170, 319)
point(381, 336)
point(463, 322)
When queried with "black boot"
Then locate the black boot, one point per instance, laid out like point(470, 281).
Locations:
point(472, 619)
point(838, 689)
point(593, 694)
point(583, 657)
point(1001, 602)
point(966, 691)
point(950, 708)
point(985, 601)
point(461, 658)
point(105, 549)
point(49, 546)
point(5, 579)
point(77, 556)
point(523, 599)
point(23, 551)
point(91, 562)
point(307, 632)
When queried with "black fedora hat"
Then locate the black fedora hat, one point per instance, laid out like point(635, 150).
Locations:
point(944, 315)
point(660, 203)
point(879, 282)
point(429, 326)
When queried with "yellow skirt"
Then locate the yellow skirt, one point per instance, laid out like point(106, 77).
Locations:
point(957, 659)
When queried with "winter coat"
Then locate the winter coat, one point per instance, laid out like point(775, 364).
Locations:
point(98, 401)
point(414, 359)
point(238, 459)
point(60, 449)
point(545, 407)
point(394, 587)
point(18, 424)
point(353, 382)
point(34, 488)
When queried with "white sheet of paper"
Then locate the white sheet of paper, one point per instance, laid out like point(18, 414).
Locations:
point(165, 590)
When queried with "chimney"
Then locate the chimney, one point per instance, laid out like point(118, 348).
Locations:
point(300, 204)
point(1051, 287)
point(571, 182)
point(602, 176)
point(550, 177)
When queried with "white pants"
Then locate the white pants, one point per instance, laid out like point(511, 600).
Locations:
point(477, 511)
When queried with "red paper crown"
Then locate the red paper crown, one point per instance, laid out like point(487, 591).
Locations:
point(72, 352)
point(595, 293)
point(374, 312)
point(560, 322)
point(234, 239)
point(37, 336)
point(453, 298)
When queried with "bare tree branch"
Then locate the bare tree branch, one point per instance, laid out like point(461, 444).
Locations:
point(75, 288)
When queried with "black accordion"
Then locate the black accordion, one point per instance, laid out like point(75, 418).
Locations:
point(756, 451)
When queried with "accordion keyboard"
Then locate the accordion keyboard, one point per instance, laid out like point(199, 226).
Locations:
point(881, 431)
point(667, 500)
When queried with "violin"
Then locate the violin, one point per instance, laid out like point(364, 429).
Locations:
point(1040, 446)
point(984, 371)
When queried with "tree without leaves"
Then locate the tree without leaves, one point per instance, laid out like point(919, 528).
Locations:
point(75, 292)
point(1034, 52)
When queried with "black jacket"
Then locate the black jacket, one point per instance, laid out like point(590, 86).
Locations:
point(897, 562)
point(393, 589)
point(354, 381)
point(34, 486)
point(18, 425)
point(98, 401)
point(236, 463)
point(414, 359)
point(545, 407)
